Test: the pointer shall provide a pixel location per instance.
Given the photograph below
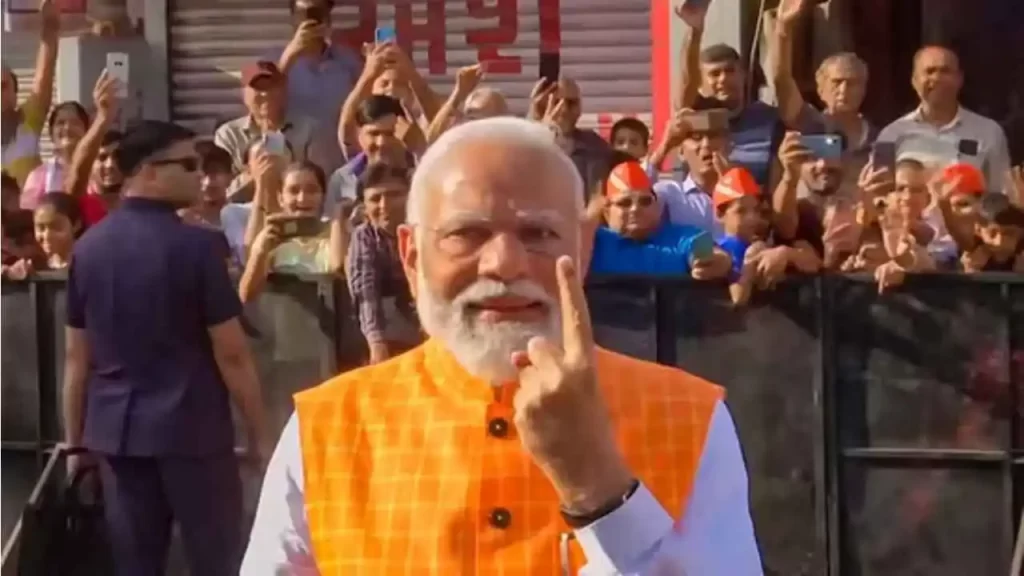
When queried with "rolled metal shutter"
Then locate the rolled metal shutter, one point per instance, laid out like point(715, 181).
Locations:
point(20, 55)
point(604, 44)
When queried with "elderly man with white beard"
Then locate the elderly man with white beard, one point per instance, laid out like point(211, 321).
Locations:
point(508, 443)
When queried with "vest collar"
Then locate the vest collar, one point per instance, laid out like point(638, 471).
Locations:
point(451, 378)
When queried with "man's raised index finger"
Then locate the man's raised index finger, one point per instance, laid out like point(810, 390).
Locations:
point(577, 334)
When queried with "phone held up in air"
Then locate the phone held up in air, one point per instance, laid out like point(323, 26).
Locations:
point(823, 146)
point(314, 14)
point(550, 65)
point(117, 68)
point(702, 247)
point(716, 120)
point(385, 34)
point(883, 155)
point(296, 226)
point(274, 143)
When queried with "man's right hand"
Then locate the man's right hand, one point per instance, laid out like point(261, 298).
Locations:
point(308, 38)
point(539, 97)
point(104, 95)
point(793, 155)
point(677, 128)
point(379, 352)
point(467, 79)
point(379, 57)
point(693, 14)
point(791, 10)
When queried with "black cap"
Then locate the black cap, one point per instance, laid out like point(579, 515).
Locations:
point(144, 139)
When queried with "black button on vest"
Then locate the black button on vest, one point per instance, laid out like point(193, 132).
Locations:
point(498, 427)
point(500, 518)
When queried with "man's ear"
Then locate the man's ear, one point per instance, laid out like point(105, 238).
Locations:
point(408, 255)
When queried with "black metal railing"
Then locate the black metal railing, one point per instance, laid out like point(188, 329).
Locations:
point(882, 434)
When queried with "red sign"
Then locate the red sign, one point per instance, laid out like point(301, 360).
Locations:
point(498, 29)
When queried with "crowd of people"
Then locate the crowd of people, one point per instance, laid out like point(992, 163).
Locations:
point(767, 191)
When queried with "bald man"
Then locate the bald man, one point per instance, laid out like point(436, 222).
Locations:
point(484, 102)
point(589, 152)
point(940, 131)
point(508, 443)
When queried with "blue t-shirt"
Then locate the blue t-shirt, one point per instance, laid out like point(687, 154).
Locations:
point(665, 253)
point(736, 248)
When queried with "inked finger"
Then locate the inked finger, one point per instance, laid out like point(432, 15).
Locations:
point(577, 333)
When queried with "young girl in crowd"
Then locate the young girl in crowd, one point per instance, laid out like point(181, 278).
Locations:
point(286, 231)
point(66, 126)
point(56, 223)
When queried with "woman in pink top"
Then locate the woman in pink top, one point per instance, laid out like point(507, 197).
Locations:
point(66, 126)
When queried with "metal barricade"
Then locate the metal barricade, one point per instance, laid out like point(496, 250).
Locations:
point(882, 434)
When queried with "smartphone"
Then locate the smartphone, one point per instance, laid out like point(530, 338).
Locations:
point(117, 68)
point(823, 146)
point(385, 34)
point(550, 65)
point(274, 143)
point(53, 182)
point(708, 120)
point(883, 155)
point(314, 13)
point(702, 247)
point(297, 226)
point(967, 147)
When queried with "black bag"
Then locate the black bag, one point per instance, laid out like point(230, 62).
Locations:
point(63, 532)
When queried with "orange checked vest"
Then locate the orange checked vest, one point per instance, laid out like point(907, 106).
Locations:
point(413, 467)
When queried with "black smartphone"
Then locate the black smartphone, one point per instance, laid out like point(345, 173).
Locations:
point(550, 66)
point(967, 147)
point(883, 155)
point(314, 13)
point(297, 226)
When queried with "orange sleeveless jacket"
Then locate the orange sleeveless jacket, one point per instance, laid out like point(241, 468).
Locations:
point(412, 466)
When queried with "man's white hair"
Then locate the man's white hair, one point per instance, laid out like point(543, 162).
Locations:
point(517, 132)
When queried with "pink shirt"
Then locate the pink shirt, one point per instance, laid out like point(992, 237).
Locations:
point(47, 177)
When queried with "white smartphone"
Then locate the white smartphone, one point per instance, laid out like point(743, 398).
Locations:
point(274, 143)
point(117, 68)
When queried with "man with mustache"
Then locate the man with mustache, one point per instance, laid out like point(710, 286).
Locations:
point(940, 131)
point(508, 443)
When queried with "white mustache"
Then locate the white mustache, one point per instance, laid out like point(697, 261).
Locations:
point(484, 289)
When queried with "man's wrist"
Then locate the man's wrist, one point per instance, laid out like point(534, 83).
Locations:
point(597, 489)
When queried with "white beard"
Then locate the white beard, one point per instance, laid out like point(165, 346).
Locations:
point(484, 349)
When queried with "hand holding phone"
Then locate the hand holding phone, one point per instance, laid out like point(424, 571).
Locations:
point(385, 34)
point(823, 146)
point(702, 248)
point(550, 66)
point(274, 143)
point(117, 68)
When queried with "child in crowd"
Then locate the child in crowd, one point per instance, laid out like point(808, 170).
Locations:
point(737, 204)
point(56, 223)
point(631, 136)
point(1000, 236)
point(18, 240)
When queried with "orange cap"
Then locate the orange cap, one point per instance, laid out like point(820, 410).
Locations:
point(625, 177)
point(733, 185)
point(971, 180)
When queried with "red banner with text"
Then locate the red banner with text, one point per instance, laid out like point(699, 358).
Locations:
point(490, 27)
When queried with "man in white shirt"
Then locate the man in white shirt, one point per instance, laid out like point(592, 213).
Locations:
point(940, 131)
point(508, 443)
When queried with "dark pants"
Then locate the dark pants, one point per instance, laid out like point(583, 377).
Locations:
point(143, 496)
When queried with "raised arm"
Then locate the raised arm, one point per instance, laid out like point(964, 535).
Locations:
point(780, 61)
point(104, 95)
point(41, 98)
point(689, 87)
point(376, 63)
point(466, 81)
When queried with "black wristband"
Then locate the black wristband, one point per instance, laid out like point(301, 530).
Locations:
point(580, 521)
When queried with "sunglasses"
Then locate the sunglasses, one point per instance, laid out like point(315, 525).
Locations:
point(187, 164)
point(628, 201)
